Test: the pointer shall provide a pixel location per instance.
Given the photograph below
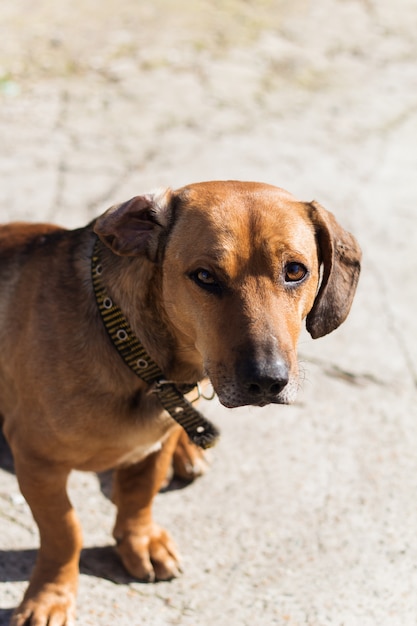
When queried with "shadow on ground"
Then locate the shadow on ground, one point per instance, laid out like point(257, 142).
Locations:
point(101, 562)
point(6, 459)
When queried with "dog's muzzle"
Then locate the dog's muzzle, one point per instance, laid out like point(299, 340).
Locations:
point(256, 383)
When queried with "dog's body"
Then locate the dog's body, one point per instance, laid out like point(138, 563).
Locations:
point(215, 279)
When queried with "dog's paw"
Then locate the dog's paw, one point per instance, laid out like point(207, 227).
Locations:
point(189, 461)
point(149, 555)
point(52, 605)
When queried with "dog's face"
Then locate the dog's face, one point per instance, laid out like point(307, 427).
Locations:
point(240, 274)
point(241, 271)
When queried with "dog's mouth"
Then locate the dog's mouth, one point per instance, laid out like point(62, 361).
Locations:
point(235, 403)
point(233, 396)
point(253, 382)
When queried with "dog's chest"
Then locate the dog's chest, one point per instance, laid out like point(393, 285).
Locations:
point(137, 454)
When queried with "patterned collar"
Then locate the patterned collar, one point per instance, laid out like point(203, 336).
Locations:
point(201, 432)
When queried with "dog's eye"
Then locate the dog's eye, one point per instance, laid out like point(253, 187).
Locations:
point(295, 272)
point(206, 280)
point(205, 277)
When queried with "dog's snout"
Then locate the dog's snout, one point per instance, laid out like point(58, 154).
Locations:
point(269, 386)
point(268, 383)
point(263, 381)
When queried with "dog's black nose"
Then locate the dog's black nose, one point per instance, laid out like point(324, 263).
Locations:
point(264, 381)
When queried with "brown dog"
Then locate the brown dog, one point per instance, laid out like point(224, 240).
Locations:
point(215, 279)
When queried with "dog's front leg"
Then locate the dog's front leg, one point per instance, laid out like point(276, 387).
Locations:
point(50, 597)
point(146, 549)
point(189, 461)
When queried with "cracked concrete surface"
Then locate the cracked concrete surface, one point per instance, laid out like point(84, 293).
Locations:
point(308, 513)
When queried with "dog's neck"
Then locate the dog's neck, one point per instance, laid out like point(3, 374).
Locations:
point(135, 284)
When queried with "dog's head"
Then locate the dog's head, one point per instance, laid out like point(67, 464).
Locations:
point(243, 265)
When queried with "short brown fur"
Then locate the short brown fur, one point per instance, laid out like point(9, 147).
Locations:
point(215, 279)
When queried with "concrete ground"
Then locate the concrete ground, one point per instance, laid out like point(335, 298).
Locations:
point(308, 515)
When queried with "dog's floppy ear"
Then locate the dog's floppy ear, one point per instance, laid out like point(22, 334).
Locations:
point(340, 256)
point(134, 228)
